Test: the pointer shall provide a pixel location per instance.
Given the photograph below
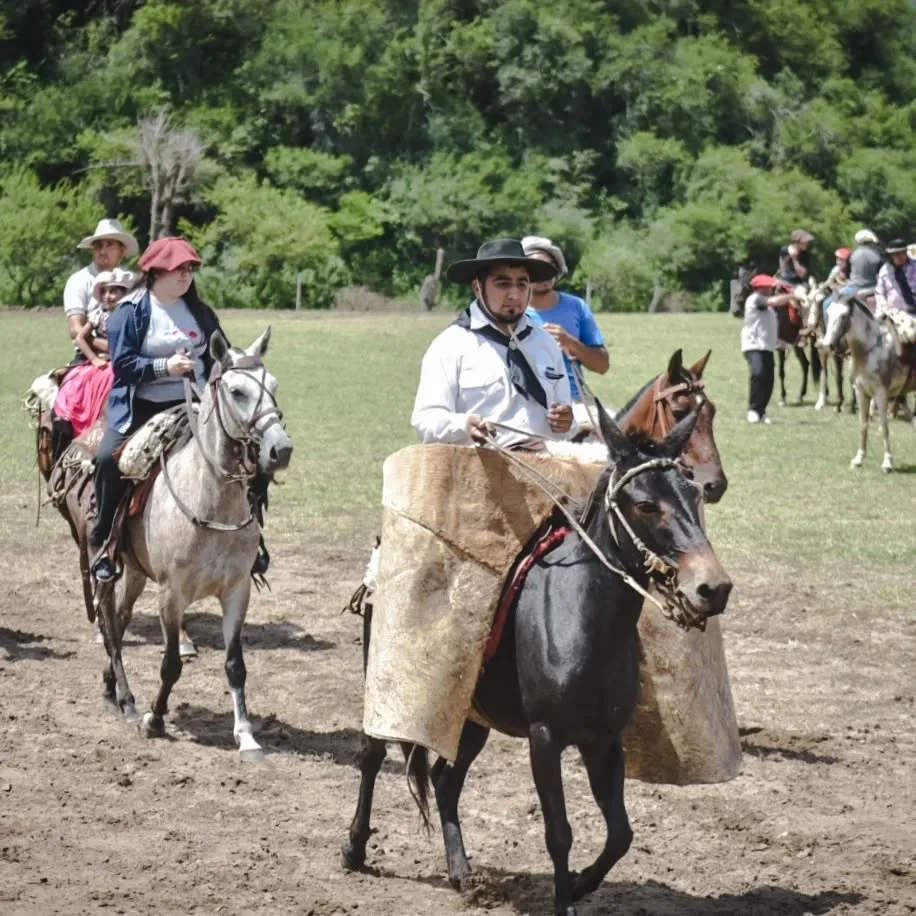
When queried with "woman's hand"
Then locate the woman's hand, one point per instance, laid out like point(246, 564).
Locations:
point(179, 364)
point(99, 362)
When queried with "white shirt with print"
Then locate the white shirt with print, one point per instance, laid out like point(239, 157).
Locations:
point(464, 373)
point(761, 327)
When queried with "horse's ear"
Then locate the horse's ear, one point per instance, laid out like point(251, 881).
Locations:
point(219, 348)
point(676, 441)
point(700, 365)
point(675, 366)
point(259, 347)
point(618, 445)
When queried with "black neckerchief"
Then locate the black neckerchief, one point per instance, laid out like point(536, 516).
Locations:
point(904, 284)
point(520, 372)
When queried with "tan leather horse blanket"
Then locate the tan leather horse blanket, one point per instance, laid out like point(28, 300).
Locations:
point(455, 519)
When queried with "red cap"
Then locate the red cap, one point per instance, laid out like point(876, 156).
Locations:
point(764, 281)
point(842, 253)
point(168, 254)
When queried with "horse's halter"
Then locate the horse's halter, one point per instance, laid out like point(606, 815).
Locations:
point(690, 386)
point(675, 606)
point(249, 433)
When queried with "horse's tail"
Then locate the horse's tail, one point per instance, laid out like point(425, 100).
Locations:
point(418, 779)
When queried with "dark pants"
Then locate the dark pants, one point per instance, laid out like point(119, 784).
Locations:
point(762, 375)
point(110, 486)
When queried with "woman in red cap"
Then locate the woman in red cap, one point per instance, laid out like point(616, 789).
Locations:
point(759, 338)
point(159, 334)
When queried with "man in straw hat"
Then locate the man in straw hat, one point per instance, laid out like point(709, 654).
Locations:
point(895, 294)
point(864, 263)
point(493, 366)
point(110, 244)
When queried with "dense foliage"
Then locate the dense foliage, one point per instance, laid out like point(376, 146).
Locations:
point(660, 141)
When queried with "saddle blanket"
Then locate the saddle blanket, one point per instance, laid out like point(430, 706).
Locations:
point(455, 520)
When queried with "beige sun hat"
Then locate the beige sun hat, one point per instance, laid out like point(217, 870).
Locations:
point(116, 277)
point(112, 229)
point(911, 251)
point(866, 237)
point(533, 243)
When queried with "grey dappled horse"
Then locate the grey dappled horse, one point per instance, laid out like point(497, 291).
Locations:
point(817, 324)
point(198, 536)
point(879, 372)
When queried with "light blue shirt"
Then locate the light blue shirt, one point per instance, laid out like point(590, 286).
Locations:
point(573, 315)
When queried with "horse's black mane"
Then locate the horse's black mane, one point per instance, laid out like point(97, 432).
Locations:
point(646, 448)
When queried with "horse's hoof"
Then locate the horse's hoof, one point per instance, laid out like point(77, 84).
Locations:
point(151, 728)
point(249, 749)
point(462, 879)
point(820, 405)
point(131, 716)
point(352, 858)
point(782, 402)
point(887, 467)
point(187, 650)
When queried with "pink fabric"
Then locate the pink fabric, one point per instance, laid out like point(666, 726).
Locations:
point(83, 395)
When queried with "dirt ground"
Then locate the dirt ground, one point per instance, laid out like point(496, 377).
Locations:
point(95, 819)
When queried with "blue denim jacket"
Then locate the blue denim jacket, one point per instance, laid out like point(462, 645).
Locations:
point(127, 328)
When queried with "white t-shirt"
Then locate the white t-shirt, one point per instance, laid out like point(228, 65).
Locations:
point(761, 329)
point(172, 329)
point(78, 299)
point(464, 373)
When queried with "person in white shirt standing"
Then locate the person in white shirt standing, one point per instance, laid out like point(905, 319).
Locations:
point(759, 339)
point(110, 244)
point(493, 365)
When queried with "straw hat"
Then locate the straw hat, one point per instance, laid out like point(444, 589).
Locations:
point(116, 277)
point(112, 229)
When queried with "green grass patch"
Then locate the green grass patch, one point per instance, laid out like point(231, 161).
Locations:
point(347, 384)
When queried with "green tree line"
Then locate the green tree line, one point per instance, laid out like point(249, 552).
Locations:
point(661, 142)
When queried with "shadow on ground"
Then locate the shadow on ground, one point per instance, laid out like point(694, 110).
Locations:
point(19, 646)
point(206, 630)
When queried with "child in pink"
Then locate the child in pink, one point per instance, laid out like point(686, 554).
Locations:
point(84, 392)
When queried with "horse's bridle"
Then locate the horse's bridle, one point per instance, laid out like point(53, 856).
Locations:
point(249, 439)
point(690, 385)
point(675, 607)
point(251, 436)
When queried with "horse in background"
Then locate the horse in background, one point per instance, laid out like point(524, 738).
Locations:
point(880, 373)
point(791, 330)
point(816, 323)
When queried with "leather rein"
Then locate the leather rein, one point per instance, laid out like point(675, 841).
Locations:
point(249, 437)
point(674, 604)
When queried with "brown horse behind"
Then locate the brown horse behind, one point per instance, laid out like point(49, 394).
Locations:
point(658, 407)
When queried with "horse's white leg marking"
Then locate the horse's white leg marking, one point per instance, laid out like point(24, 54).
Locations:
point(882, 400)
point(864, 408)
point(235, 607)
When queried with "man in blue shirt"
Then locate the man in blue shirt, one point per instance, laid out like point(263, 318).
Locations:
point(568, 318)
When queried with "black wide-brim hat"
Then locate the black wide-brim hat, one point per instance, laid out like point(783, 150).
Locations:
point(895, 246)
point(500, 251)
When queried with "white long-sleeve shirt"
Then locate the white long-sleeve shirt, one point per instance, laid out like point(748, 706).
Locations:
point(464, 373)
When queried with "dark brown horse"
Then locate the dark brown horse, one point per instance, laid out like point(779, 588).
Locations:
point(567, 671)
